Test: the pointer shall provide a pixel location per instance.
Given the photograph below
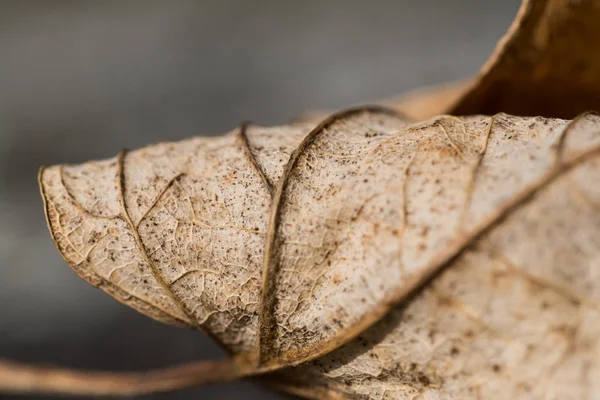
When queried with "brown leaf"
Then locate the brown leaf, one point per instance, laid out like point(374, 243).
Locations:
point(175, 230)
point(424, 103)
point(516, 313)
point(372, 256)
point(480, 228)
point(416, 105)
point(547, 64)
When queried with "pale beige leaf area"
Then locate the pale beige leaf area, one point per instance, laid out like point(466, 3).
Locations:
point(476, 234)
point(516, 315)
point(174, 230)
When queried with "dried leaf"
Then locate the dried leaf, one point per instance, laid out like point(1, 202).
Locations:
point(175, 230)
point(372, 256)
point(424, 103)
point(416, 105)
point(547, 64)
point(515, 314)
point(480, 228)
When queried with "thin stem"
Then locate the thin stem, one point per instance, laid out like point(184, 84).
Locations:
point(22, 378)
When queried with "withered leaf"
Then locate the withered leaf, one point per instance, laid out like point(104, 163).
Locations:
point(427, 102)
point(416, 105)
point(546, 64)
point(476, 234)
point(175, 230)
point(381, 254)
point(516, 314)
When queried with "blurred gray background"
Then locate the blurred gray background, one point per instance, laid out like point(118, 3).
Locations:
point(81, 80)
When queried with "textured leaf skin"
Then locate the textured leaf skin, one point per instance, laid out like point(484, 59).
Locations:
point(373, 256)
point(515, 315)
point(174, 230)
point(451, 258)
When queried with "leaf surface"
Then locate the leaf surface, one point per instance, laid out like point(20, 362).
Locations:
point(175, 230)
point(371, 214)
point(379, 254)
point(516, 315)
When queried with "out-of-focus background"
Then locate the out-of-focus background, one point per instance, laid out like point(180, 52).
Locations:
point(81, 80)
